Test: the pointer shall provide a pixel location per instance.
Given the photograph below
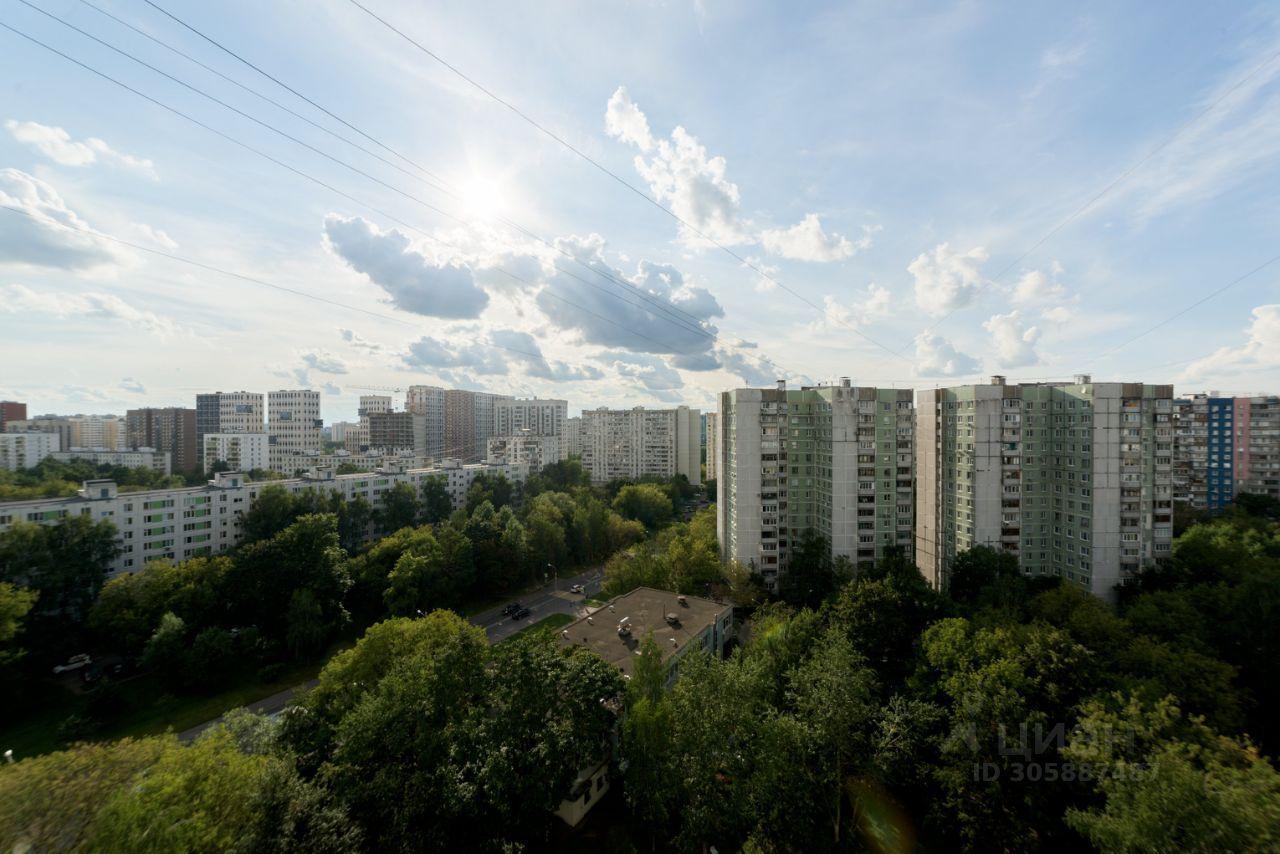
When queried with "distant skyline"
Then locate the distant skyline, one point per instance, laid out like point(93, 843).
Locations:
point(882, 163)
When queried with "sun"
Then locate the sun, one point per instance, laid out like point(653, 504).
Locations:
point(482, 197)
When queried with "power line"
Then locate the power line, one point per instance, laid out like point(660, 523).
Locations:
point(664, 347)
point(358, 171)
point(674, 313)
point(615, 176)
point(665, 307)
point(1193, 305)
point(1121, 178)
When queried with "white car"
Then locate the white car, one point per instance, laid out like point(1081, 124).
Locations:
point(74, 663)
point(577, 588)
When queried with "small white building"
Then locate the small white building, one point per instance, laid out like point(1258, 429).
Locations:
point(138, 458)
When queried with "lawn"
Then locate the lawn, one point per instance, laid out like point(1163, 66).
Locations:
point(546, 626)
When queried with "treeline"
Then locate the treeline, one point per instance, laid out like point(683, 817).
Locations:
point(1006, 714)
point(52, 478)
point(421, 737)
point(311, 568)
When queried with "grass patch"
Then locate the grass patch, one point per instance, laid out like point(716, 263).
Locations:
point(546, 626)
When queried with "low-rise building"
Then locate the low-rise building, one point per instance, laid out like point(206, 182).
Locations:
point(136, 458)
point(679, 625)
point(182, 523)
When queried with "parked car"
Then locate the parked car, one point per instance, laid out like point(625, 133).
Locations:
point(520, 614)
point(577, 588)
point(508, 610)
point(74, 663)
point(91, 674)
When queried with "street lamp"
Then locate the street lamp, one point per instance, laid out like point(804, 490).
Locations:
point(552, 571)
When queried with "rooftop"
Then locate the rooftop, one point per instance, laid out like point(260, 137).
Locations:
point(645, 610)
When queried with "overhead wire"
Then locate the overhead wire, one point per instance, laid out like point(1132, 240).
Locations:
point(630, 291)
point(663, 346)
point(740, 258)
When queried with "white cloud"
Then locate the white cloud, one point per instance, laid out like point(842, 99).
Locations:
point(438, 354)
point(682, 176)
point(414, 282)
point(154, 235)
point(936, 357)
point(651, 374)
point(1260, 350)
point(765, 273)
point(754, 370)
point(807, 241)
point(1059, 314)
point(1037, 286)
point(522, 346)
point(874, 304)
point(946, 280)
point(323, 361)
point(1014, 344)
point(1238, 139)
point(359, 342)
point(654, 311)
point(624, 120)
point(57, 145)
point(19, 299)
point(132, 386)
point(46, 233)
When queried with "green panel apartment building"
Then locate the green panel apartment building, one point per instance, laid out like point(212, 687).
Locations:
point(837, 459)
point(1074, 479)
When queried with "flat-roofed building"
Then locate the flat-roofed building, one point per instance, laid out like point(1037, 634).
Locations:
point(633, 443)
point(239, 451)
point(24, 450)
point(171, 429)
point(133, 458)
point(679, 624)
point(186, 522)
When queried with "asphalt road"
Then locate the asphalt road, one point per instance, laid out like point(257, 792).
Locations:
point(553, 598)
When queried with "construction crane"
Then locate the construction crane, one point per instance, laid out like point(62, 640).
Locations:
point(378, 388)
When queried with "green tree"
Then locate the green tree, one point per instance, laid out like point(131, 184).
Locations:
point(984, 576)
point(810, 575)
point(1169, 783)
point(493, 488)
point(130, 605)
point(437, 504)
point(834, 696)
point(646, 503)
point(399, 508)
point(66, 563)
point(271, 512)
point(15, 602)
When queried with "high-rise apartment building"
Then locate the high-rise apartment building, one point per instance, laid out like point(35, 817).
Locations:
point(1074, 479)
point(527, 448)
point(833, 459)
point(1224, 446)
point(293, 425)
point(373, 404)
point(540, 417)
point(513, 417)
point(573, 436)
point(98, 431)
point(428, 401)
point(468, 422)
point(11, 410)
point(710, 443)
point(24, 450)
point(240, 412)
point(59, 425)
point(171, 429)
point(398, 431)
point(237, 451)
point(639, 442)
point(227, 412)
point(1257, 445)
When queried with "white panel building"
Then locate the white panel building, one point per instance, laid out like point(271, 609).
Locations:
point(178, 524)
point(136, 458)
point(639, 442)
point(240, 451)
point(293, 426)
point(428, 400)
point(24, 450)
point(240, 412)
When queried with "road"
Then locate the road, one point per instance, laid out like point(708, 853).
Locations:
point(553, 598)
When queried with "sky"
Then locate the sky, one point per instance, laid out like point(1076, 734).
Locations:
point(908, 194)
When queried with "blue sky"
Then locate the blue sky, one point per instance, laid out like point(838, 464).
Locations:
point(885, 162)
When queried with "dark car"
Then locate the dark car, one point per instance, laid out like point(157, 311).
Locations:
point(508, 610)
point(520, 614)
